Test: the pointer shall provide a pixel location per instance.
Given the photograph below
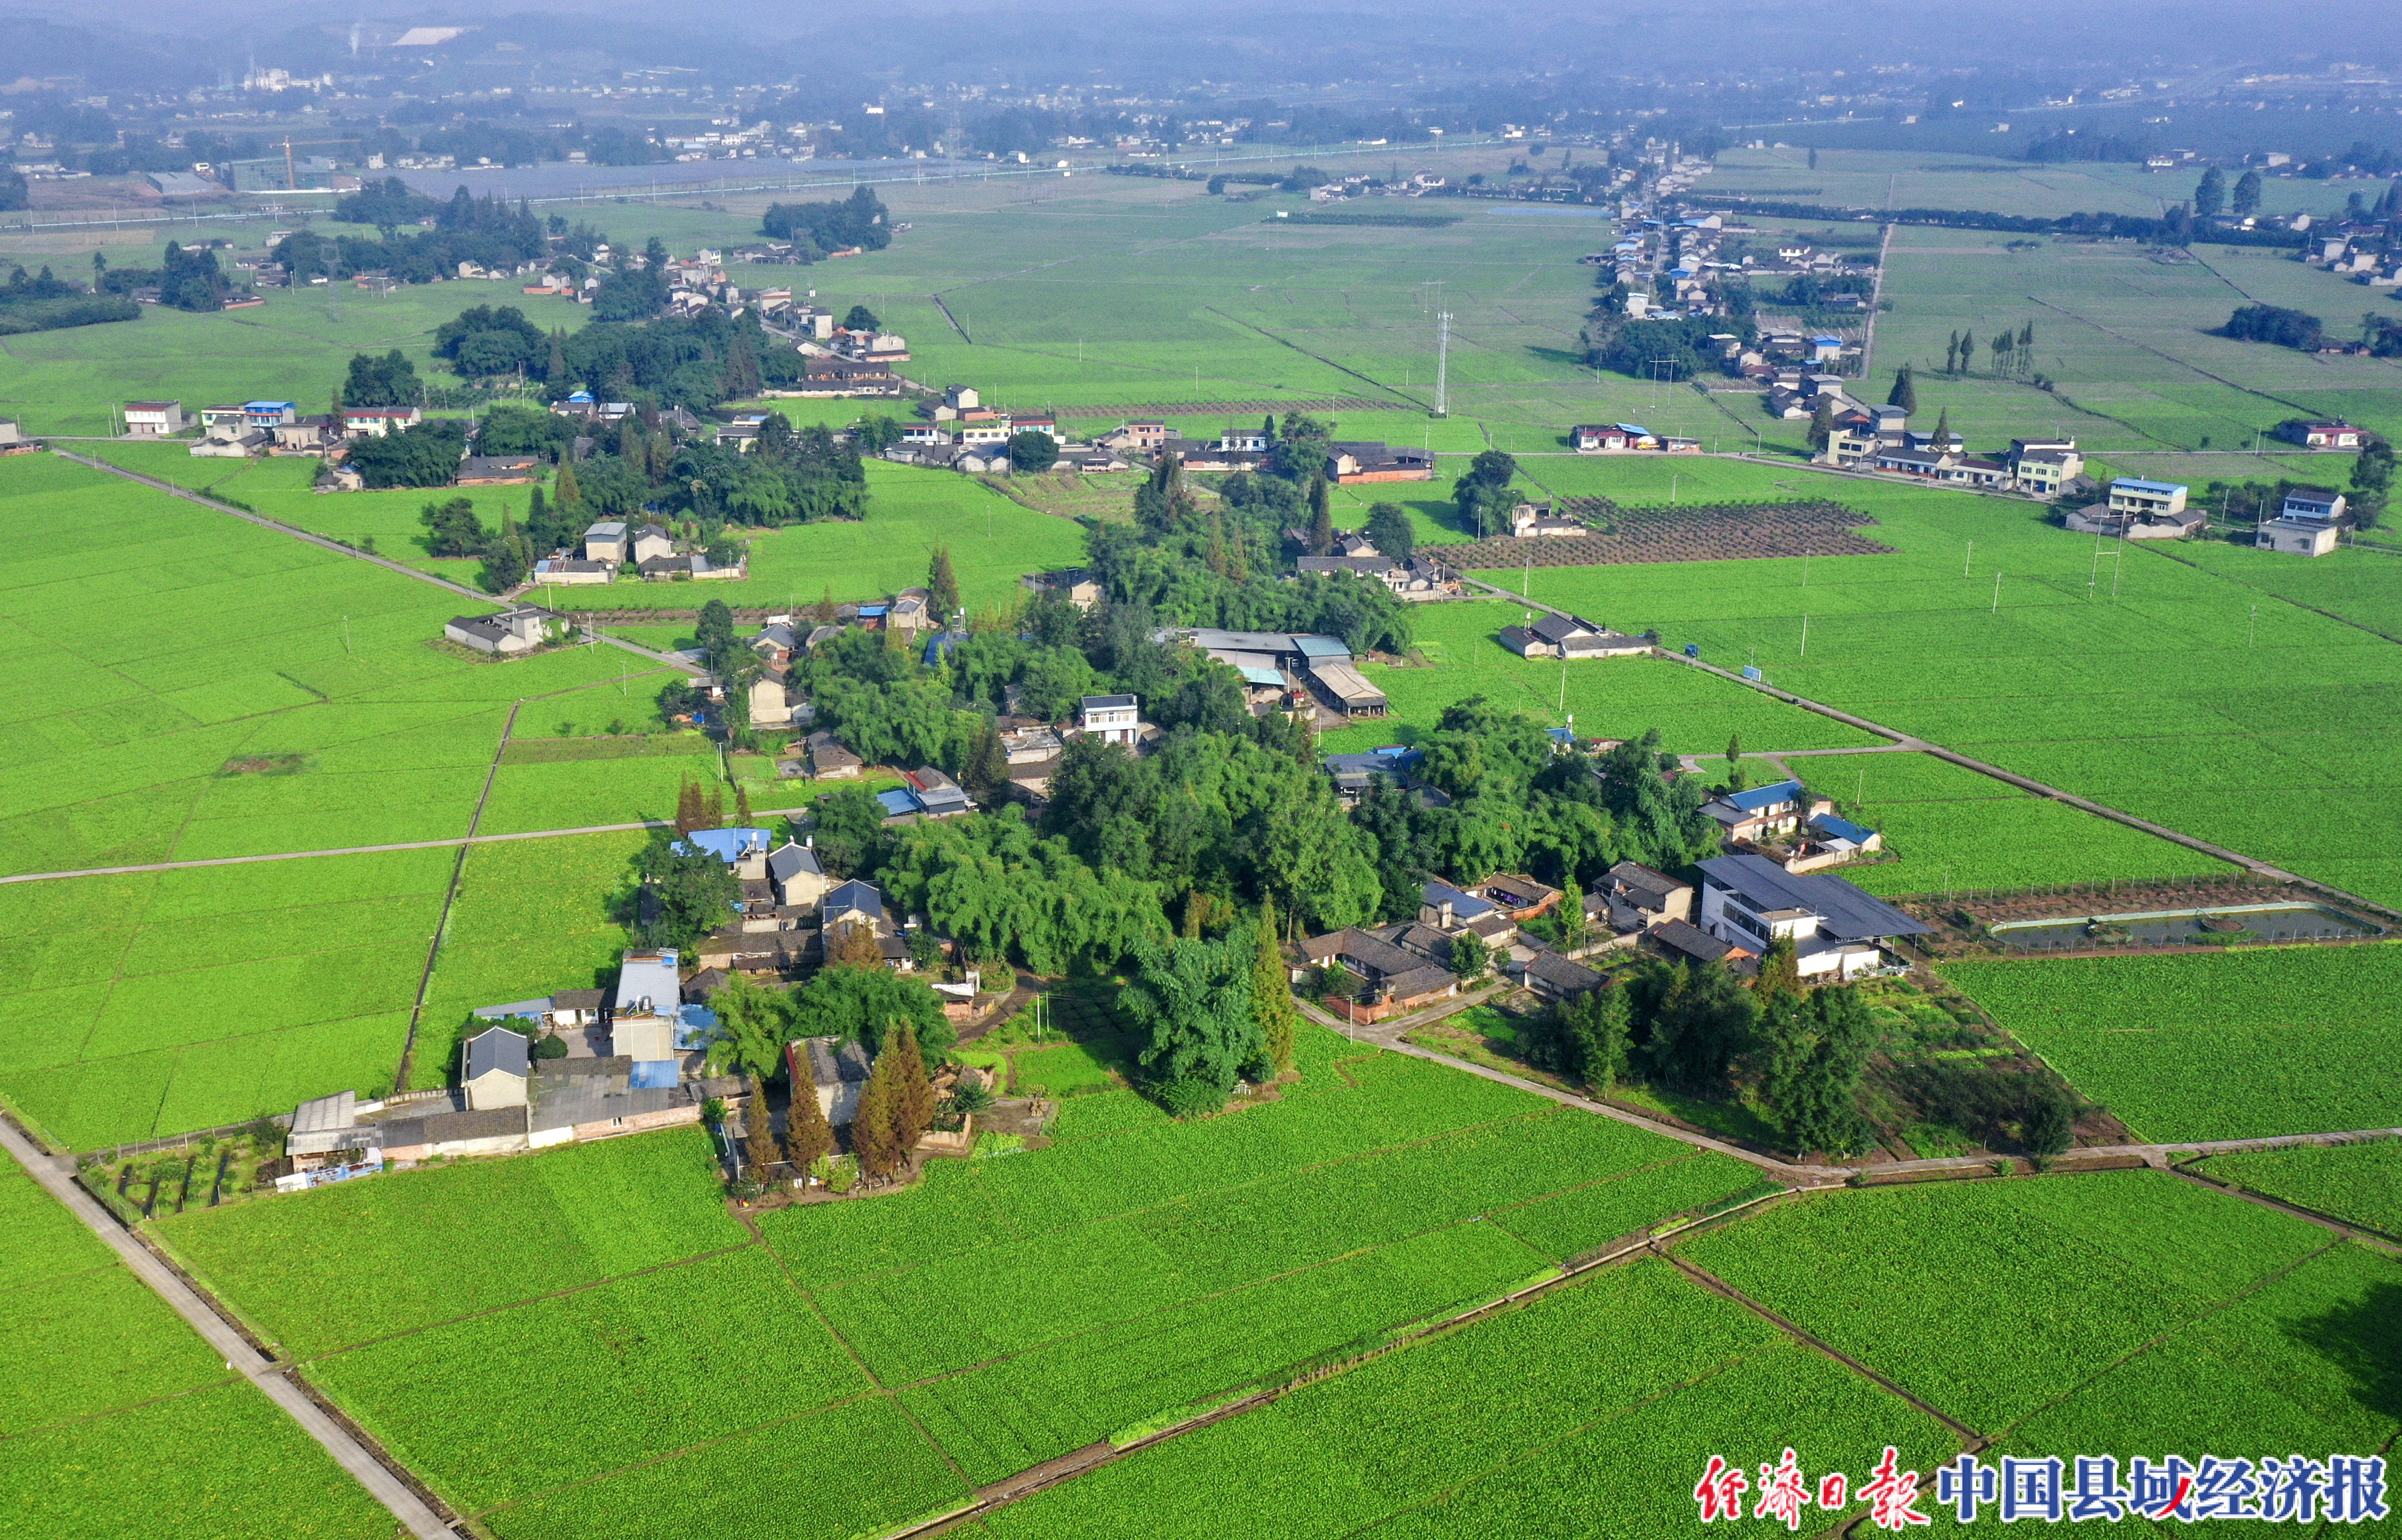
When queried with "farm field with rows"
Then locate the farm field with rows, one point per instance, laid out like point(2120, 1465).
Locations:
point(1949, 827)
point(299, 700)
point(1223, 1254)
point(2078, 1316)
point(160, 1002)
point(1609, 698)
point(2247, 1044)
point(104, 1378)
point(1545, 1420)
point(910, 511)
point(2360, 1184)
point(2172, 701)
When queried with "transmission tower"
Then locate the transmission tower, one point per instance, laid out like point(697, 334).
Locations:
point(1442, 364)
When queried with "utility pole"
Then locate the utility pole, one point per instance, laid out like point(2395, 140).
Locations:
point(1806, 633)
point(2251, 633)
point(1969, 559)
point(1998, 593)
point(1442, 363)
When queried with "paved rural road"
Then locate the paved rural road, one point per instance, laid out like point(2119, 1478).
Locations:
point(373, 849)
point(56, 1174)
point(339, 549)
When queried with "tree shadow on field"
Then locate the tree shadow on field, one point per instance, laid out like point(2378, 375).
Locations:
point(1561, 358)
point(2363, 1338)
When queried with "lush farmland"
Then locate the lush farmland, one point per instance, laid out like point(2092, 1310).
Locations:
point(910, 511)
point(103, 1377)
point(532, 917)
point(1538, 1423)
point(285, 697)
point(1380, 1190)
point(1609, 698)
point(2245, 1044)
point(2170, 701)
point(2046, 1283)
point(2358, 1183)
point(163, 1001)
point(1947, 826)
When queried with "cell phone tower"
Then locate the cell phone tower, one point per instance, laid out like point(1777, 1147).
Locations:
point(1442, 364)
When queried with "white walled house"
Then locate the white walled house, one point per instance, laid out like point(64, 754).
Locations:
point(1111, 718)
point(1836, 930)
point(155, 418)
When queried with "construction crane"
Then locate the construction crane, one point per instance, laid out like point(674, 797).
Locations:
point(291, 175)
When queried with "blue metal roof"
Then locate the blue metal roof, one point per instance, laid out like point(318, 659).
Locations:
point(942, 645)
point(898, 800)
point(730, 845)
point(1631, 427)
point(1842, 829)
point(1321, 647)
point(1464, 906)
point(655, 1075)
point(1827, 341)
point(2134, 484)
point(1766, 796)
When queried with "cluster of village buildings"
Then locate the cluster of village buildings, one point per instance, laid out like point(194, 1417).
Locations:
point(601, 1063)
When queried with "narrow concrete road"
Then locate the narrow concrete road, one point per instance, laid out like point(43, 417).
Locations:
point(370, 849)
point(56, 1176)
point(339, 549)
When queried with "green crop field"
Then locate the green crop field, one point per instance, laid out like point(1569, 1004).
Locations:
point(251, 694)
point(1380, 1190)
point(2247, 1044)
point(532, 917)
point(105, 1380)
point(1609, 698)
point(2044, 1284)
point(2171, 701)
point(157, 1002)
point(2358, 1183)
point(1551, 1420)
point(993, 542)
point(1948, 827)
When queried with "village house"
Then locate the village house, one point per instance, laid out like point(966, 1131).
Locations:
point(2307, 525)
point(743, 850)
point(829, 759)
point(1631, 898)
point(606, 542)
point(493, 1067)
point(377, 422)
point(1450, 909)
point(1535, 521)
point(925, 793)
point(1762, 812)
point(1567, 637)
point(2321, 433)
point(1549, 976)
point(1354, 463)
point(569, 572)
point(2151, 501)
point(641, 1018)
point(154, 418)
point(1838, 931)
point(1353, 775)
point(1076, 585)
point(1113, 719)
point(1396, 979)
point(519, 630)
point(836, 1068)
point(2044, 466)
point(794, 873)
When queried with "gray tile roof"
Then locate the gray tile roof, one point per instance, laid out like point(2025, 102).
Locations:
point(1845, 912)
point(498, 1049)
point(791, 861)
